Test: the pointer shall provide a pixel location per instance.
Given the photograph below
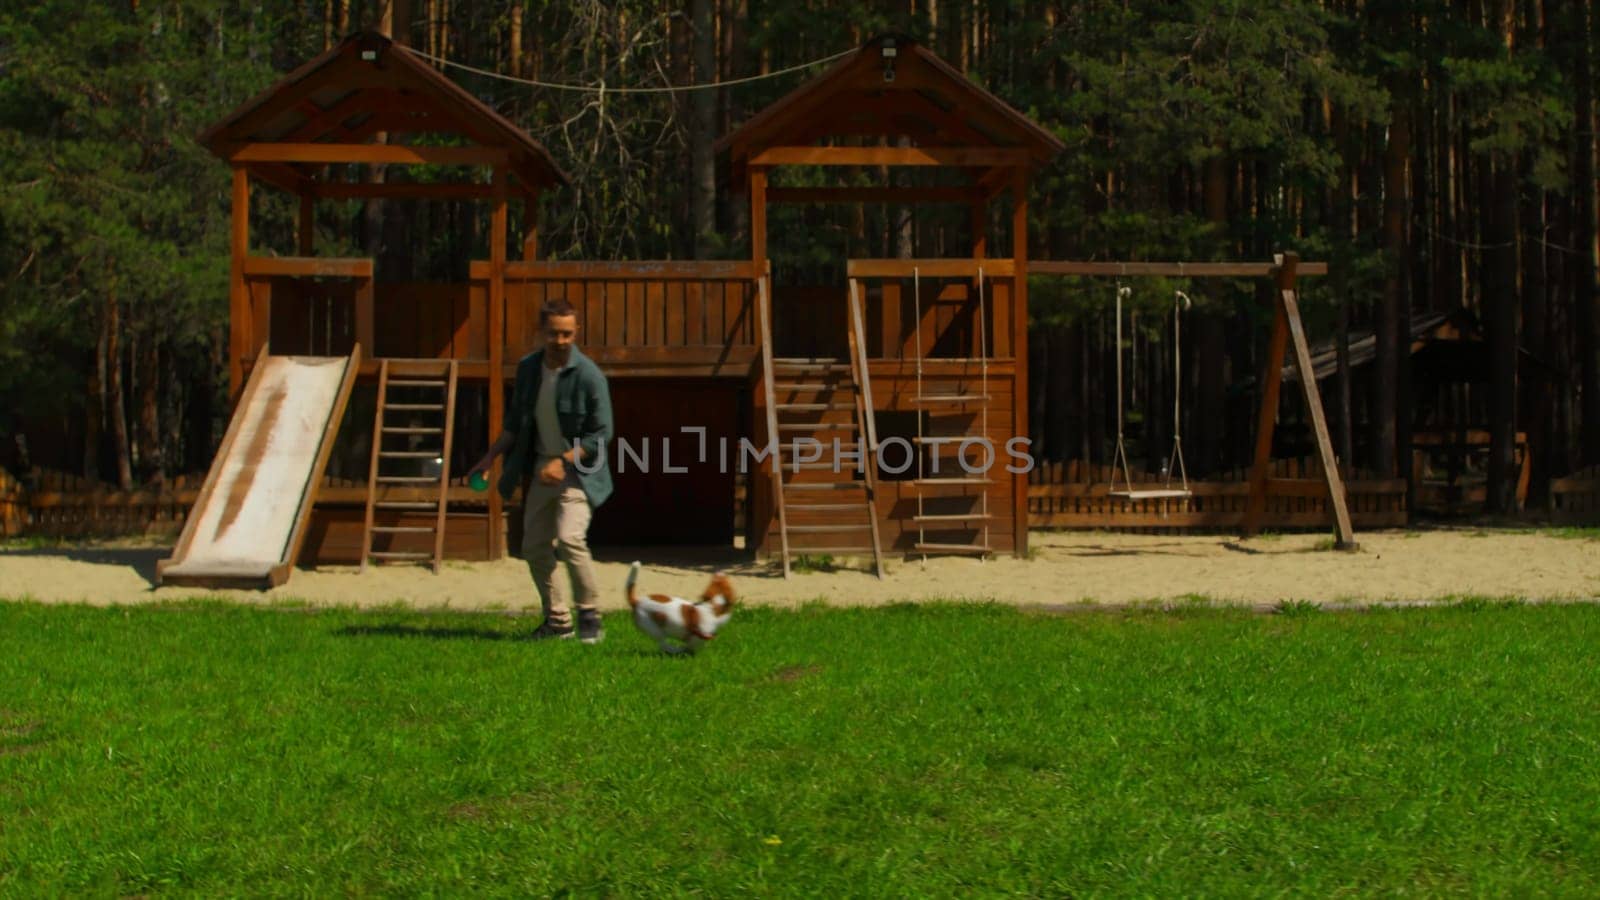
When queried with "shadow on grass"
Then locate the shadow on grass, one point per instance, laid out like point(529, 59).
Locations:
point(434, 632)
point(141, 560)
point(484, 634)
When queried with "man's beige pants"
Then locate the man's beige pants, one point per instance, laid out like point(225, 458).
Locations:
point(555, 525)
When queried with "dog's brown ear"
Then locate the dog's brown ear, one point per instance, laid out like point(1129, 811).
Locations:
point(720, 586)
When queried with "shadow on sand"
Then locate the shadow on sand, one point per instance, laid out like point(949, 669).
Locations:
point(141, 560)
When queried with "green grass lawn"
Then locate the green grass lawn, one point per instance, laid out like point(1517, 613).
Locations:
point(896, 752)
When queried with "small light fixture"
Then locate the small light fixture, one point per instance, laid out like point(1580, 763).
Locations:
point(369, 55)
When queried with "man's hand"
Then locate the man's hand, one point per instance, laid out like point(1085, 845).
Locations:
point(484, 465)
point(553, 472)
point(501, 445)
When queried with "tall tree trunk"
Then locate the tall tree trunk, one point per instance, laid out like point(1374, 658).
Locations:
point(1211, 338)
point(735, 64)
point(1038, 389)
point(1500, 307)
point(1585, 295)
point(1500, 325)
point(1339, 215)
point(1060, 400)
point(703, 128)
point(1396, 219)
point(514, 28)
point(1389, 330)
point(95, 412)
point(116, 406)
point(151, 450)
point(1534, 400)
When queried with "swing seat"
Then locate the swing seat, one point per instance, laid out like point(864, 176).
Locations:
point(1155, 494)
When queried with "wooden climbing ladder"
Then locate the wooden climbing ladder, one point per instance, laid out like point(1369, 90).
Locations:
point(813, 388)
point(950, 413)
point(424, 424)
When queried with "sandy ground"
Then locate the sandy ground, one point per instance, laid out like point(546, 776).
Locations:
point(1065, 569)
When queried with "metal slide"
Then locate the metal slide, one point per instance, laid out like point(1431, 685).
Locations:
point(249, 521)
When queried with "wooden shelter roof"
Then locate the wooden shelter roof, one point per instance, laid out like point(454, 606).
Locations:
point(926, 99)
point(359, 88)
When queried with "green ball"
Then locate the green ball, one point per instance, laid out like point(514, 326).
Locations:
point(479, 481)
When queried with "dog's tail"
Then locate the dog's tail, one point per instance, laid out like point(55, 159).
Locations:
point(633, 592)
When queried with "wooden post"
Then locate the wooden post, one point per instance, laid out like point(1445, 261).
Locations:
point(1019, 353)
point(497, 319)
point(308, 226)
point(530, 227)
point(1346, 539)
point(980, 230)
point(366, 314)
point(758, 218)
point(760, 505)
point(1271, 381)
point(239, 316)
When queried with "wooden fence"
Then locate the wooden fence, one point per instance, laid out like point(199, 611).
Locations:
point(1575, 500)
point(1060, 495)
point(1077, 495)
point(13, 506)
point(56, 504)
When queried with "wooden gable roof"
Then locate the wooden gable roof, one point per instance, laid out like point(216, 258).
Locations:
point(925, 99)
point(361, 87)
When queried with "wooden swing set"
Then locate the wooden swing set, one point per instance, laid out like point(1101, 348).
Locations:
point(1286, 328)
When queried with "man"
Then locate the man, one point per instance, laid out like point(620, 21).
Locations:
point(556, 430)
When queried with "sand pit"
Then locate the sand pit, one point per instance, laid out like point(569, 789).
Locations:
point(1066, 569)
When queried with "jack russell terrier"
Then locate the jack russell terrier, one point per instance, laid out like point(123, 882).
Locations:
point(666, 618)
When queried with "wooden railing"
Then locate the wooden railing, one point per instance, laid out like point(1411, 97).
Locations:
point(291, 303)
point(1459, 486)
point(948, 306)
point(1575, 500)
point(690, 318)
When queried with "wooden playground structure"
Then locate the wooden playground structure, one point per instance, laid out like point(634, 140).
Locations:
point(928, 355)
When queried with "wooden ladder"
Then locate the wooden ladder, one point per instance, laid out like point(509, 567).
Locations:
point(812, 388)
point(429, 396)
point(953, 409)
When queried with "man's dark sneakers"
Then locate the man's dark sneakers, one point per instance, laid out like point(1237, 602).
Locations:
point(590, 631)
point(550, 631)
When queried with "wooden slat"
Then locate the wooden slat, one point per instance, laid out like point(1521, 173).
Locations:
point(694, 314)
point(372, 468)
point(866, 425)
point(498, 217)
point(1223, 519)
point(1168, 269)
point(899, 196)
point(764, 313)
point(369, 153)
point(1319, 424)
point(444, 469)
point(929, 268)
point(889, 156)
point(239, 321)
point(1277, 487)
point(636, 325)
point(308, 266)
point(402, 190)
point(642, 270)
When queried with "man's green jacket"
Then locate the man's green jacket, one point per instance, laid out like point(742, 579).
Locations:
point(583, 406)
